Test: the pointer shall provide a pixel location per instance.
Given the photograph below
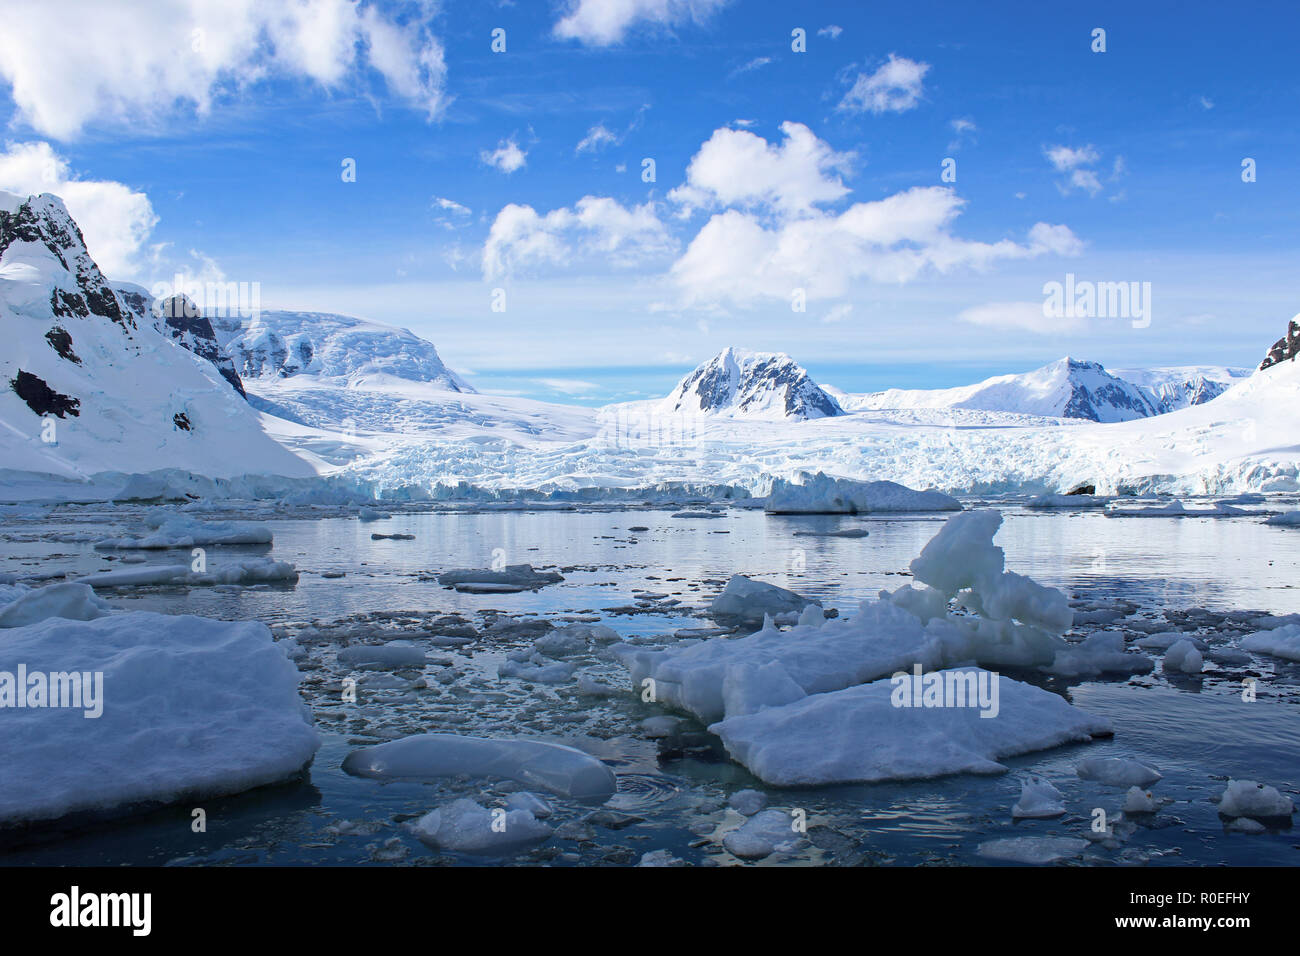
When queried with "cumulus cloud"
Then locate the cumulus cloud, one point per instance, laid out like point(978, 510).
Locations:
point(596, 139)
point(833, 31)
point(737, 258)
point(619, 235)
point(84, 62)
point(115, 219)
point(507, 157)
point(894, 88)
point(1020, 316)
point(737, 167)
point(607, 22)
point(1077, 165)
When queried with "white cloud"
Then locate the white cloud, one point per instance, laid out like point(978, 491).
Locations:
point(1021, 316)
point(838, 313)
point(831, 31)
point(894, 88)
point(757, 63)
point(964, 129)
point(84, 62)
point(596, 139)
point(1066, 158)
point(735, 257)
point(607, 22)
point(569, 386)
point(594, 227)
point(507, 157)
point(115, 219)
point(1078, 165)
point(450, 205)
point(1207, 103)
point(737, 167)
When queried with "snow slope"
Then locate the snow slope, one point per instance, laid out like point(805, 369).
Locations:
point(120, 395)
point(280, 345)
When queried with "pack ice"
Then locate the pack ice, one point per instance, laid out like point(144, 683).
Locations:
point(191, 708)
point(811, 705)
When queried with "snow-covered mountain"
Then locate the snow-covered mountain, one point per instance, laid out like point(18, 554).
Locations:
point(183, 321)
point(1175, 387)
point(280, 345)
point(742, 384)
point(1064, 389)
point(90, 386)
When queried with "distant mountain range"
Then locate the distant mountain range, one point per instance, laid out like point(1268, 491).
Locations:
point(762, 385)
point(1067, 388)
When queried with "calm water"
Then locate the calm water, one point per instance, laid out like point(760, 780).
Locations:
point(1195, 730)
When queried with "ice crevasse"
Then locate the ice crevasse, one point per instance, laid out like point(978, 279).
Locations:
point(815, 704)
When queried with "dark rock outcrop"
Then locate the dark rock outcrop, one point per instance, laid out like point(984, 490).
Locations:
point(1285, 348)
point(42, 399)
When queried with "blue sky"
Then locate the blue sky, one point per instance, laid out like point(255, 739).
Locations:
point(775, 170)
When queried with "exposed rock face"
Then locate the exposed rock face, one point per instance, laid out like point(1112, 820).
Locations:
point(42, 399)
point(752, 384)
point(1285, 348)
point(42, 220)
point(184, 322)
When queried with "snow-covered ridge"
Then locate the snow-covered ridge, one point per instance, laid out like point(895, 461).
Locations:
point(760, 385)
point(87, 386)
point(279, 345)
point(1067, 388)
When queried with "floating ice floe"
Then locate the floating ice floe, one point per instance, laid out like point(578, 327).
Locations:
point(371, 514)
point(748, 601)
point(540, 672)
point(1117, 772)
point(796, 706)
point(392, 654)
point(839, 533)
point(511, 578)
point(764, 833)
point(1246, 798)
point(248, 571)
point(76, 602)
point(1100, 653)
point(747, 802)
point(1184, 657)
point(464, 826)
point(561, 770)
point(824, 494)
point(1287, 519)
point(1068, 501)
point(1176, 509)
point(862, 734)
point(1138, 800)
point(1038, 800)
point(189, 708)
point(1033, 850)
point(1281, 642)
point(185, 532)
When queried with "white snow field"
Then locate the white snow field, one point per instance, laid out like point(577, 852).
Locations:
point(811, 705)
point(188, 708)
point(1236, 443)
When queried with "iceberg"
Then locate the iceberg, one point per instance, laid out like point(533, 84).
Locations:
point(249, 571)
point(824, 494)
point(185, 532)
point(747, 601)
point(1246, 798)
